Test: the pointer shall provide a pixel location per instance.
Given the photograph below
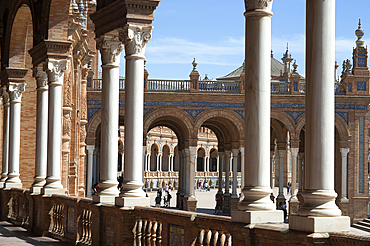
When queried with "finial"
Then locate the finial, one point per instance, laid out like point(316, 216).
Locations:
point(359, 33)
point(194, 65)
point(287, 46)
point(272, 54)
point(295, 65)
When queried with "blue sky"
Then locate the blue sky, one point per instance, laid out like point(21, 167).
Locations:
point(213, 32)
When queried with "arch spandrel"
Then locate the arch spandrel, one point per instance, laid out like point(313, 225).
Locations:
point(340, 124)
point(229, 117)
point(177, 120)
point(285, 119)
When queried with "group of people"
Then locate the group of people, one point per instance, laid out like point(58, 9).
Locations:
point(166, 197)
point(204, 186)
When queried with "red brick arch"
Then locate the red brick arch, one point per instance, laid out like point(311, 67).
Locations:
point(57, 21)
point(230, 118)
point(92, 126)
point(19, 33)
point(177, 120)
point(285, 119)
point(340, 124)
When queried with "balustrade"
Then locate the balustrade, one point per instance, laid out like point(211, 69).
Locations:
point(277, 87)
point(57, 223)
point(85, 227)
point(208, 237)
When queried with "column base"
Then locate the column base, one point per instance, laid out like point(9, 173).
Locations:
point(106, 199)
point(293, 206)
point(52, 191)
point(192, 205)
point(132, 201)
point(226, 203)
point(35, 190)
point(344, 200)
point(12, 185)
point(2, 184)
point(234, 202)
point(319, 224)
point(280, 199)
point(257, 217)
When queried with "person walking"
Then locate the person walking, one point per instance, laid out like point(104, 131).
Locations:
point(218, 204)
point(158, 201)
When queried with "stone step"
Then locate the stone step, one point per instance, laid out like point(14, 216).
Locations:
point(364, 223)
point(367, 220)
point(360, 227)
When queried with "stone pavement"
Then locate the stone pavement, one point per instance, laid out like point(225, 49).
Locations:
point(15, 235)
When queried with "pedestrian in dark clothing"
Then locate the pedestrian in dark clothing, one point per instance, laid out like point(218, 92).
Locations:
point(218, 204)
point(158, 201)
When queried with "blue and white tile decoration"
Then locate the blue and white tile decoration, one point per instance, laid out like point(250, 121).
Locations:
point(294, 114)
point(193, 112)
point(344, 116)
point(361, 86)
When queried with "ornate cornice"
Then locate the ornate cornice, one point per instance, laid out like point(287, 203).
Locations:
point(50, 49)
point(41, 77)
point(15, 75)
point(55, 70)
point(110, 48)
point(15, 91)
point(251, 5)
point(135, 38)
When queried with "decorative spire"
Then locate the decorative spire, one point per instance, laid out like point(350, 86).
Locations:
point(194, 65)
point(295, 65)
point(81, 7)
point(359, 33)
point(287, 54)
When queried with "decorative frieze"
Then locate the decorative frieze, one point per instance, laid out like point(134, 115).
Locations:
point(135, 38)
point(110, 48)
point(15, 91)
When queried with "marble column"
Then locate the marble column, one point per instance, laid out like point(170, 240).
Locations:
point(207, 164)
point(256, 206)
point(158, 163)
point(110, 49)
point(15, 94)
point(192, 163)
point(220, 159)
point(89, 171)
point(41, 130)
point(293, 192)
point(319, 213)
point(344, 153)
point(55, 71)
point(6, 126)
point(235, 173)
point(272, 157)
point(242, 165)
point(281, 174)
point(148, 163)
point(135, 38)
point(227, 172)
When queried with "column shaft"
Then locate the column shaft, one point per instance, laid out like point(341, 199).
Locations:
point(319, 195)
point(41, 130)
point(294, 173)
point(257, 107)
point(5, 157)
point(15, 93)
point(235, 173)
point(90, 160)
point(192, 163)
point(227, 171)
point(242, 166)
point(344, 152)
point(220, 160)
point(281, 173)
point(110, 48)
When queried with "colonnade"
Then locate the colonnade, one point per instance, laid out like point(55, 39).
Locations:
point(49, 76)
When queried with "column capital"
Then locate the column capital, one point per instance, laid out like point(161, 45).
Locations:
point(90, 148)
point(55, 70)
point(41, 77)
point(252, 5)
point(5, 95)
point(192, 150)
point(135, 38)
point(242, 150)
point(294, 151)
point(110, 49)
point(344, 151)
point(235, 152)
point(15, 91)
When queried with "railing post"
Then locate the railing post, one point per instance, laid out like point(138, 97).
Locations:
point(194, 78)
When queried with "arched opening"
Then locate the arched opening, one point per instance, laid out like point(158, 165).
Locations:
point(166, 158)
point(201, 160)
point(214, 159)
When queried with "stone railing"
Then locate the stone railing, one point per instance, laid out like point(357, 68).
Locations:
point(207, 86)
point(219, 86)
point(81, 222)
point(169, 85)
